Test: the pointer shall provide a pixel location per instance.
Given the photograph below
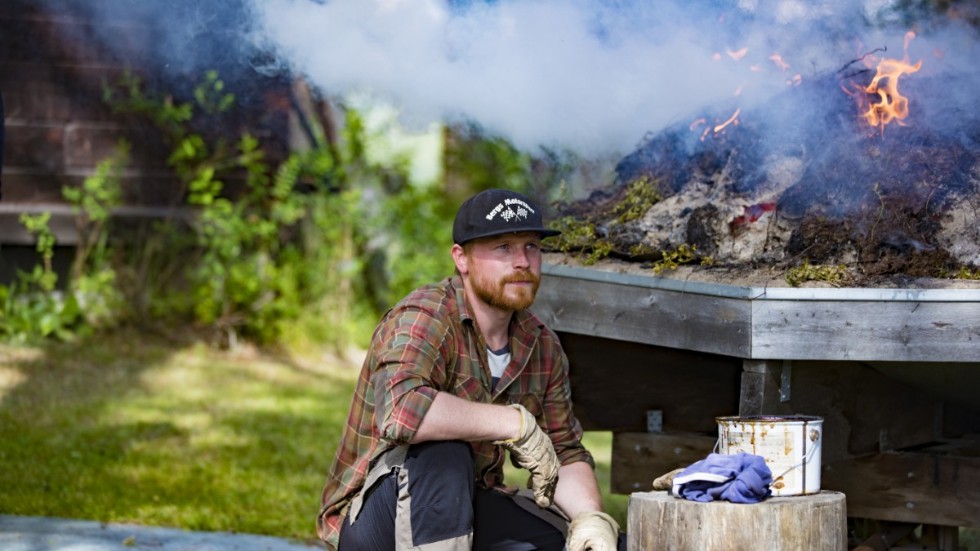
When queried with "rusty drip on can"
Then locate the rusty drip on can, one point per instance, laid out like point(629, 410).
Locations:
point(792, 453)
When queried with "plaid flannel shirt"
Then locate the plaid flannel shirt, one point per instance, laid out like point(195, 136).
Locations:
point(429, 343)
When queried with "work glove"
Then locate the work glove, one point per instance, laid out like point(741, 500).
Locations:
point(592, 531)
point(665, 482)
point(532, 450)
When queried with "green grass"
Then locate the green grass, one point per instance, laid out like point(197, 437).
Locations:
point(139, 430)
point(132, 428)
point(600, 444)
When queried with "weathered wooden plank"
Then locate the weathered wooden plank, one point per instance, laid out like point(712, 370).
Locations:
point(859, 330)
point(71, 38)
point(659, 521)
point(56, 94)
point(35, 145)
point(86, 144)
point(63, 221)
point(909, 487)
point(638, 458)
point(904, 325)
point(677, 320)
point(615, 383)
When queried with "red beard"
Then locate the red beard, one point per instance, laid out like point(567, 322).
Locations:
point(495, 293)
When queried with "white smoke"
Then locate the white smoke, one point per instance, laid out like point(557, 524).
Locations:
point(592, 76)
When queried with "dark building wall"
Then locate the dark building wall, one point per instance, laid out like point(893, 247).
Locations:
point(55, 57)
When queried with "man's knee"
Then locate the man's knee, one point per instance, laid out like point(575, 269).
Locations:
point(449, 458)
point(440, 475)
point(426, 499)
point(439, 500)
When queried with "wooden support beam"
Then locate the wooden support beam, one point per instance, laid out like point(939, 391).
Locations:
point(760, 388)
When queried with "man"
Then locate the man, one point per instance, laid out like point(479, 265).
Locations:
point(457, 374)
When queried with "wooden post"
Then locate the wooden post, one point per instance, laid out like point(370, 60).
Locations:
point(657, 520)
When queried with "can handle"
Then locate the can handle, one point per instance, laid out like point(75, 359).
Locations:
point(804, 461)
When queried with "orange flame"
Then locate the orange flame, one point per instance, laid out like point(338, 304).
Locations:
point(778, 60)
point(737, 54)
point(732, 119)
point(892, 106)
point(711, 130)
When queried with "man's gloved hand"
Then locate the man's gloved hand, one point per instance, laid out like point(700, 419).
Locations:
point(532, 450)
point(593, 531)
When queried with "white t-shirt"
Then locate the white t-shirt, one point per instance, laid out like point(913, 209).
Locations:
point(498, 360)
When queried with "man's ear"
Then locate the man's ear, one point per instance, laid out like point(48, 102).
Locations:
point(459, 258)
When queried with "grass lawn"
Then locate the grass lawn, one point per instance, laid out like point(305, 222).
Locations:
point(134, 428)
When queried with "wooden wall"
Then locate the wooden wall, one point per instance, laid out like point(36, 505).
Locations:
point(53, 63)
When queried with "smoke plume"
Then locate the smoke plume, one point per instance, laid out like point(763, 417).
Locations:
point(594, 76)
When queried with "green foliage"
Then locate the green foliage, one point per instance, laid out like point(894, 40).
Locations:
point(581, 237)
point(641, 194)
point(486, 161)
point(312, 240)
point(834, 275)
point(421, 239)
point(28, 315)
point(43, 276)
point(127, 95)
point(93, 277)
point(316, 240)
point(247, 273)
point(31, 308)
point(967, 273)
point(672, 259)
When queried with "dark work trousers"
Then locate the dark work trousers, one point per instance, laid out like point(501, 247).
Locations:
point(434, 488)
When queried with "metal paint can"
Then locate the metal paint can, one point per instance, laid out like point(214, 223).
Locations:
point(791, 446)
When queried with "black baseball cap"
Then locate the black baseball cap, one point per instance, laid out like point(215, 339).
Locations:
point(496, 212)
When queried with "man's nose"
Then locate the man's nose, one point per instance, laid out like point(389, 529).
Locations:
point(521, 259)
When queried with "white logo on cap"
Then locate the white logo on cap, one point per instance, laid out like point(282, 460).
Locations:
point(510, 209)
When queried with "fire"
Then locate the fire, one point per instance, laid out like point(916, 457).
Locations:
point(892, 105)
point(778, 60)
point(731, 120)
point(737, 54)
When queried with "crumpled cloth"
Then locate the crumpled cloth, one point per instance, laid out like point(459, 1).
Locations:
point(738, 478)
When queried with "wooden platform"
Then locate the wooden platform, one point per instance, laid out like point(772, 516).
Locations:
point(892, 372)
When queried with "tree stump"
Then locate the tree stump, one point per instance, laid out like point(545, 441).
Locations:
point(661, 522)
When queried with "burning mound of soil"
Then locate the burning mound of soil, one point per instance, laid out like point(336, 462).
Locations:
point(781, 188)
